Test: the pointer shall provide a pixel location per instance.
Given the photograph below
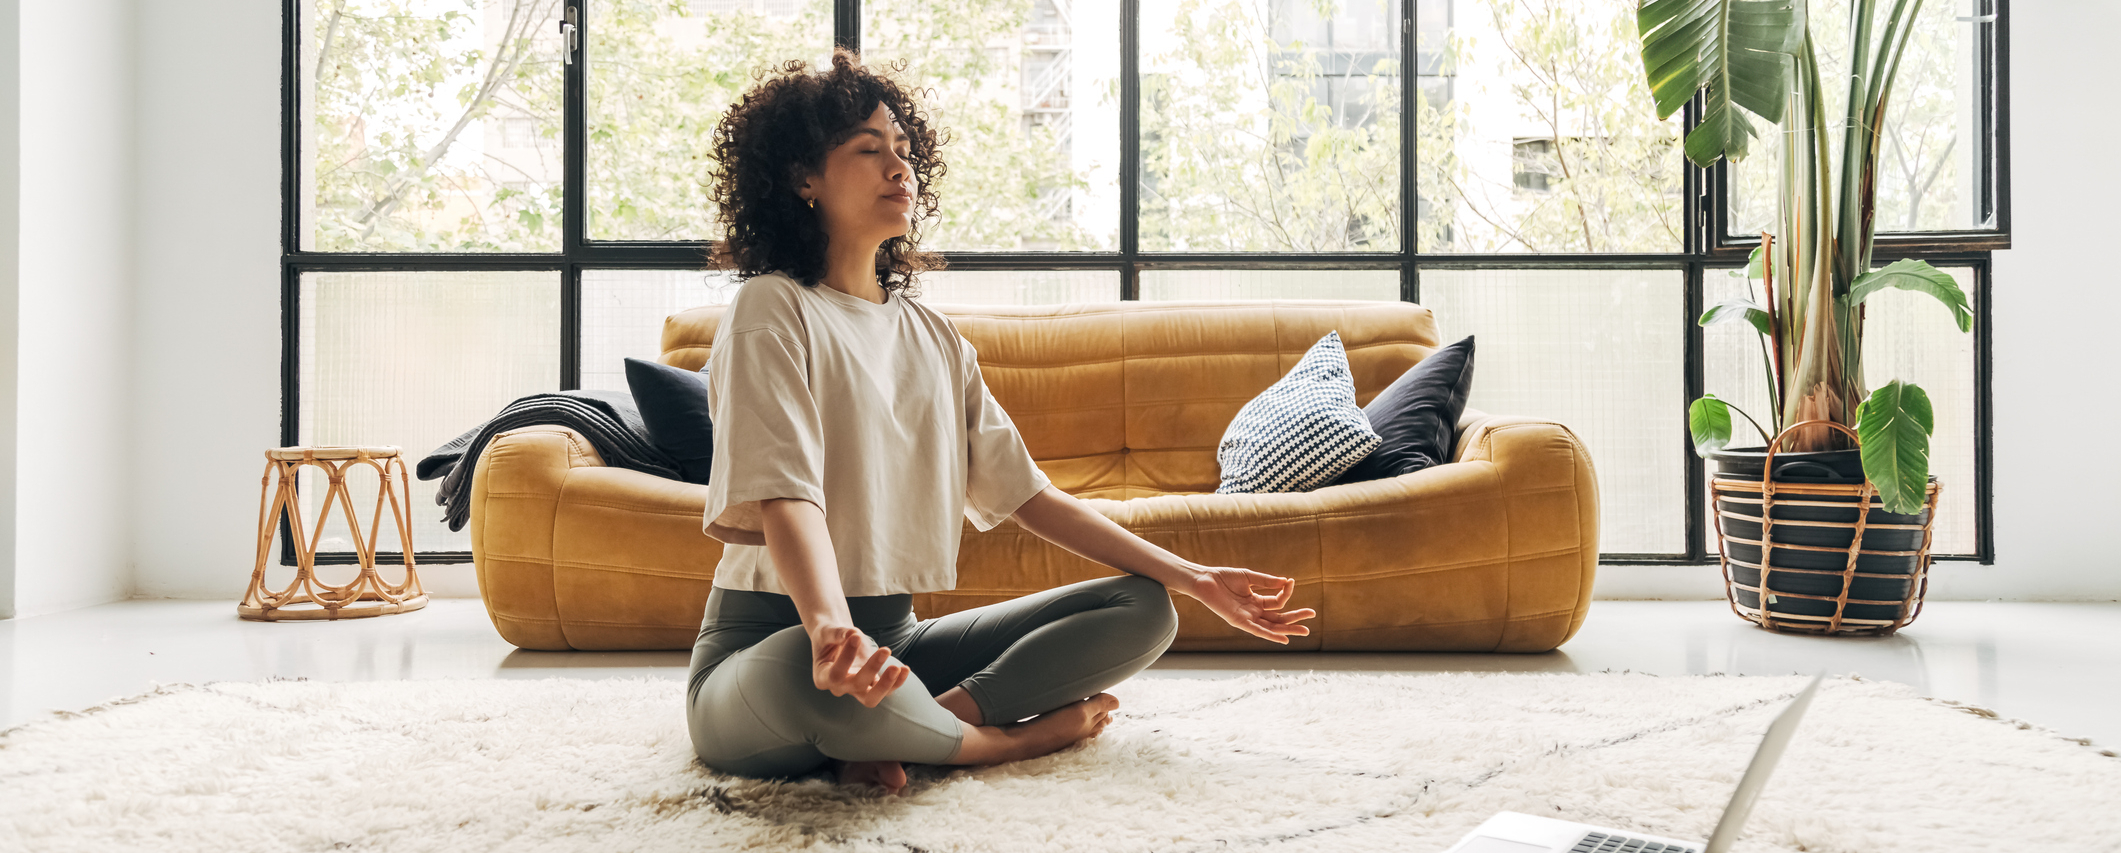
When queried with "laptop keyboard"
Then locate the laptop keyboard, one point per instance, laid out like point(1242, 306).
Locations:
point(1599, 842)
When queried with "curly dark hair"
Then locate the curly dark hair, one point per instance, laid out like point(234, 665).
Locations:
point(778, 134)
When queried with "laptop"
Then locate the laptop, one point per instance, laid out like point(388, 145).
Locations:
point(1511, 832)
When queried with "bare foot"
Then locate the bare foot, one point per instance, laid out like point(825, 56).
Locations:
point(889, 775)
point(1040, 735)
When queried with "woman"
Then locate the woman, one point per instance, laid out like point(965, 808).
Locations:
point(853, 432)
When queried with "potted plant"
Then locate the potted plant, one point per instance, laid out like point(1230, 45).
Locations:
point(1825, 528)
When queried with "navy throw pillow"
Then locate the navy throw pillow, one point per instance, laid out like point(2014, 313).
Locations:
point(673, 404)
point(1417, 415)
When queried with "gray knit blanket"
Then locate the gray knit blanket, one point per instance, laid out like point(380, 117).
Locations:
point(607, 418)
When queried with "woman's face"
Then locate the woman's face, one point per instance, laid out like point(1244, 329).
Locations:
point(866, 189)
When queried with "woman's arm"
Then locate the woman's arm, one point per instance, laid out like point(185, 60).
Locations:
point(1061, 519)
point(801, 548)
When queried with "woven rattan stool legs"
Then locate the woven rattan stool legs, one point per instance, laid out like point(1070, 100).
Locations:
point(332, 602)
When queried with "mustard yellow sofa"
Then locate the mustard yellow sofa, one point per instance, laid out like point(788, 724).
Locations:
point(1122, 404)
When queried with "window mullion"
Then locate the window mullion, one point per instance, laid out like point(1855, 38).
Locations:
point(1409, 142)
point(1130, 146)
point(847, 24)
point(574, 183)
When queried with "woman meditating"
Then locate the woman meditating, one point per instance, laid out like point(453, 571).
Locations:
point(853, 432)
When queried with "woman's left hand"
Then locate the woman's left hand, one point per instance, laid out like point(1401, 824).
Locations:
point(1234, 594)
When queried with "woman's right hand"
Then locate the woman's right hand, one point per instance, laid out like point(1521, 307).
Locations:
point(841, 661)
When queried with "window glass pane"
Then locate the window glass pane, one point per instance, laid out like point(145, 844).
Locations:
point(1019, 287)
point(623, 313)
point(661, 74)
point(1930, 156)
point(1270, 125)
point(1380, 285)
point(1906, 336)
point(430, 126)
point(1536, 132)
point(414, 359)
point(1600, 351)
point(1029, 91)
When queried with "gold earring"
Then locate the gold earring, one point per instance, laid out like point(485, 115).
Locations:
point(812, 202)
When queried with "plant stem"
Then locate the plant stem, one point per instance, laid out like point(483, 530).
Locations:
point(1749, 419)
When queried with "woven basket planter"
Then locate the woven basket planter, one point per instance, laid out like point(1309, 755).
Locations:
point(1800, 556)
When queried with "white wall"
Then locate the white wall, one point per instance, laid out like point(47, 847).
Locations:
point(206, 360)
point(10, 246)
point(2055, 303)
point(206, 356)
point(73, 542)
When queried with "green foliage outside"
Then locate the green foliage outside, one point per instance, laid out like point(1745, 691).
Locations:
point(1241, 151)
point(660, 78)
point(1240, 154)
point(1574, 77)
point(392, 87)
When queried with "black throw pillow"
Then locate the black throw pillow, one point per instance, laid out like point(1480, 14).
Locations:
point(1417, 415)
point(673, 404)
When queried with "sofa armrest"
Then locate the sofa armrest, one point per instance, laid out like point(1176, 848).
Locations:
point(1550, 492)
point(515, 501)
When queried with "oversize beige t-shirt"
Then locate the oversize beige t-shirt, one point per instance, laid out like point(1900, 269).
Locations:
point(877, 414)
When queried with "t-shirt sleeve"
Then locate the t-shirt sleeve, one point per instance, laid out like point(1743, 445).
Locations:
point(999, 474)
point(768, 439)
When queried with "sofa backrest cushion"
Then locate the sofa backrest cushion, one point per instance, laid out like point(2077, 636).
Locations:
point(1128, 399)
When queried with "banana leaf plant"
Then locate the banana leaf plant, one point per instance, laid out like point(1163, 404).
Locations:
point(1754, 59)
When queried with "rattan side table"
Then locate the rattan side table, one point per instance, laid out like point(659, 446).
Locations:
point(333, 602)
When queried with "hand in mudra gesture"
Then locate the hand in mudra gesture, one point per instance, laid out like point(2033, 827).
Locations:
point(1235, 595)
point(841, 661)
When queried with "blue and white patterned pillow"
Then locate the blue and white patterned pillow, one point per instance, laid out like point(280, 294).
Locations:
point(1301, 432)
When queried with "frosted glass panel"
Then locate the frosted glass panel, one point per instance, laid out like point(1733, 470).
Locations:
point(1019, 287)
point(1907, 336)
point(1382, 285)
point(1601, 351)
point(623, 313)
point(414, 359)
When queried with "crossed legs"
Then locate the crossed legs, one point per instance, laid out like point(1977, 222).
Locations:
point(1048, 655)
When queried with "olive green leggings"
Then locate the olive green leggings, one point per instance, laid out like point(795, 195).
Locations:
point(754, 711)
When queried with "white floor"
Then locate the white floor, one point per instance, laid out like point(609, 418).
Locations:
point(2058, 665)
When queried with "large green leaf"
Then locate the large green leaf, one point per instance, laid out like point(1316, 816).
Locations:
point(1918, 276)
point(1894, 424)
point(1736, 309)
point(1740, 51)
point(1709, 419)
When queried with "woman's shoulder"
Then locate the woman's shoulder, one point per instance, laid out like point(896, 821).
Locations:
point(770, 300)
point(930, 317)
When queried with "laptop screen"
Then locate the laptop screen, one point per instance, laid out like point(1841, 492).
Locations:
point(1756, 774)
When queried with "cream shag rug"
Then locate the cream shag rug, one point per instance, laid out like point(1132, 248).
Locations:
point(1324, 762)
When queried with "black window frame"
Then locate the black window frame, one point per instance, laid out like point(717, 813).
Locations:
point(1705, 246)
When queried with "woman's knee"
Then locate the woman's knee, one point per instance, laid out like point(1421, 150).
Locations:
point(1154, 603)
point(1148, 605)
